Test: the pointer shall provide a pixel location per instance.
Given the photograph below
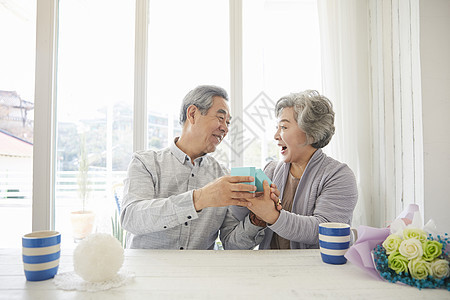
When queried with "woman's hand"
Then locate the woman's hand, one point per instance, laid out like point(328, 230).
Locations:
point(275, 196)
point(266, 205)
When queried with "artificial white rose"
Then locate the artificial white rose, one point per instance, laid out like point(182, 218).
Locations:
point(411, 248)
point(440, 268)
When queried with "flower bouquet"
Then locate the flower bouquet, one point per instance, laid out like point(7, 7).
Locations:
point(407, 252)
point(414, 259)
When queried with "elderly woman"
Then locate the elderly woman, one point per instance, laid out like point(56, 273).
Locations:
point(314, 188)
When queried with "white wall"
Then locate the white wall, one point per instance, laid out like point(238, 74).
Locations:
point(435, 65)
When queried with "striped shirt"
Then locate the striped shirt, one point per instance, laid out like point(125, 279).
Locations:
point(158, 209)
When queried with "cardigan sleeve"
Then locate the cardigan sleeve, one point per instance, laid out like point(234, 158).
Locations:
point(332, 198)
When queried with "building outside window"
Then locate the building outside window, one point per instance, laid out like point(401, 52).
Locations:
point(17, 55)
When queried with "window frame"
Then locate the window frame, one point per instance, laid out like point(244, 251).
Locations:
point(44, 148)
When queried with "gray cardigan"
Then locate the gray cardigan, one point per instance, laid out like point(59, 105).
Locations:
point(327, 192)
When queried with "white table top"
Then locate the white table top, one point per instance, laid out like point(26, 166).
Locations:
point(269, 274)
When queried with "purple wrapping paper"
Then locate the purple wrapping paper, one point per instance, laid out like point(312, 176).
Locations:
point(360, 254)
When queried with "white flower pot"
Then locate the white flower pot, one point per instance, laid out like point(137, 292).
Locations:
point(82, 223)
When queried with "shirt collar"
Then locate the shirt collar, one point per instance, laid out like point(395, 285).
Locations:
point(180, 155)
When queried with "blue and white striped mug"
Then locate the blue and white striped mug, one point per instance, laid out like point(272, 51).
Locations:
point(40, 254)
point(334, 241)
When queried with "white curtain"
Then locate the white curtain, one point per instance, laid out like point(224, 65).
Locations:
point(346, 82)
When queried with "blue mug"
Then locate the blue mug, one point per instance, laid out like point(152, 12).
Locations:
point(40, 253)
point(334, 241)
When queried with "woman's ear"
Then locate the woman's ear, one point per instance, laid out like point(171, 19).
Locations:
point(190, 113)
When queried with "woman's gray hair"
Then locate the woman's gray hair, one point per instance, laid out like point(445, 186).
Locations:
point(202, 98)
point(313, 113)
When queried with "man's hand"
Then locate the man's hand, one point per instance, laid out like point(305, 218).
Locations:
point(224, 191)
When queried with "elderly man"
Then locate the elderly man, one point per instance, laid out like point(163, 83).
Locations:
point(178, 197)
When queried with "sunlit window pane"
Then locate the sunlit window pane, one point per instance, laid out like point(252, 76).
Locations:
point(188, 46)
point(17, 61)
point(95, 100)
point(281, 55)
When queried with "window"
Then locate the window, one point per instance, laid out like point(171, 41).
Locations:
point(188, 44)
point(18, 36)
point(94, 116)
point(196, 53)
point(281, 55)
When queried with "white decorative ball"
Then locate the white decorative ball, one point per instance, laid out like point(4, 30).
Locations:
point(98, 257)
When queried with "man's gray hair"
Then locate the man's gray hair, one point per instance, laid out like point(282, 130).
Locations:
point(202, 98)
point(313, 113)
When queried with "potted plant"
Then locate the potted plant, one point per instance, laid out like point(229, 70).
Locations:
point(82, 220)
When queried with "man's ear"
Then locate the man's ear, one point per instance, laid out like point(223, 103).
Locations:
point(191, 112)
